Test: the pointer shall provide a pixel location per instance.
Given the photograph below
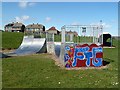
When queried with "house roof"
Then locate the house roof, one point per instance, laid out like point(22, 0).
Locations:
point(34, 26)
point(70, 32)
point(16, 24)
point(52, 29)
point(10, 24)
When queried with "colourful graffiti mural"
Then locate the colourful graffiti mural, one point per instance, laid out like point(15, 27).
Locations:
point(83, 55)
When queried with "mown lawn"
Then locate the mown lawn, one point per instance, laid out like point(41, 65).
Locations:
point(76, 39)
point(11, 40)
point(40, 71)
point(0, 40)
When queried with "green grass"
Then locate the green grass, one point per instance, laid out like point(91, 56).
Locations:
point(0, 40)
point(57, 38)
point(11, 39)
point(83, 39)
point(40, 71)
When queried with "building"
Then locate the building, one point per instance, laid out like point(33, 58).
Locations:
point(53, 30)
point(14, 27)
point(75, 33)
point(35, 28)
point(8, 27)
point(72, 32)
point(38, 30)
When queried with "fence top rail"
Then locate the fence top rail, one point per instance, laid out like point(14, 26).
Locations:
point(81, 26)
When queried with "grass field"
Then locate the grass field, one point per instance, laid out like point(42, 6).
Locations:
point(40, 71)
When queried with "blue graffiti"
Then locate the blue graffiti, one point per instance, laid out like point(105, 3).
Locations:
point(67, 66)
point(99, 60)
point(67, 48)
point(87, 55)
point(80, 57)
point(66, 57)
point(82, 49)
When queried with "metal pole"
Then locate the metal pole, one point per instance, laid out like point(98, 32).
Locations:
point(79, 33)
point(102, 35)
point(101, 27)
point(62, 52)
point(46, 37)
point(53, 37)
point(93, 34)
point(111, 41)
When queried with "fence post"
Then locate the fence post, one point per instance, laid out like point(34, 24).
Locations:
point(62, 52)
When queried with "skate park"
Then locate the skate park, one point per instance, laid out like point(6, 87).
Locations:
point(82, 52)
point(27, 65)
point(52, 57)
point(71, 51)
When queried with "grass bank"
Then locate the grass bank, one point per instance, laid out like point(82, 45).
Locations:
point(11, 40)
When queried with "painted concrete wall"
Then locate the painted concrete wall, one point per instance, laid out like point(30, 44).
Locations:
point(50, 47)
point(83, 55)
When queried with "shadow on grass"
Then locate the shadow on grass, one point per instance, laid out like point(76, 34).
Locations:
point(4, 55)
point(107, 61)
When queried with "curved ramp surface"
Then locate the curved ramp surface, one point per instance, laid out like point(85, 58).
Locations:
point(3, 55)
point(57, 48)
point(31, 45)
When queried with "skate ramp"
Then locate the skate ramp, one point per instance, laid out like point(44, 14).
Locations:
point(31, 45)
point(3, 55)
point(57, 48)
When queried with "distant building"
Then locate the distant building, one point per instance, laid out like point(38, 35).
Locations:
point(35, 28)
point(72, 32)
point(14, 27)
point(116, 37)
point(8, 27)
point(53, 30)
point(1, 30)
